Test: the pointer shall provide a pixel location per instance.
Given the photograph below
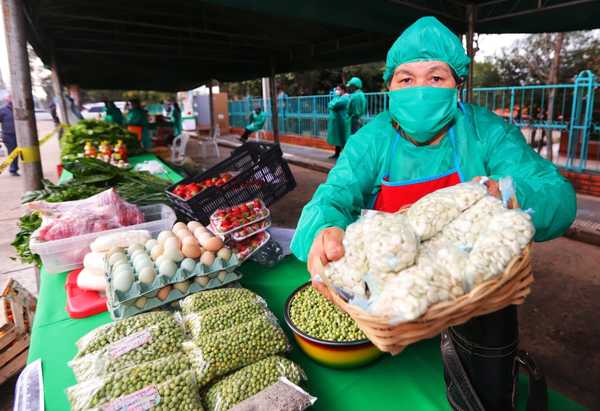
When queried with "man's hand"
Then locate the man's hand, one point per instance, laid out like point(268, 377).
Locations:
point(326, 247)
point(492, 186)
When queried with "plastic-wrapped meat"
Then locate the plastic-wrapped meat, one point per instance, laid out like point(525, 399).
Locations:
point(103, 211)
point(432, 213)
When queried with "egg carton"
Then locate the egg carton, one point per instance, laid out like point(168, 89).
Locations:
point(213, 280)
point(139, 289)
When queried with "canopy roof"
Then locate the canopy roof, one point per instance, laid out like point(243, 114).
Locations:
point(159, 45)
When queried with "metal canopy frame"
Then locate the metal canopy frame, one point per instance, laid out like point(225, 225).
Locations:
point(152, 45)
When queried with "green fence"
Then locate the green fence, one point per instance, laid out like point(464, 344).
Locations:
point(572, 121)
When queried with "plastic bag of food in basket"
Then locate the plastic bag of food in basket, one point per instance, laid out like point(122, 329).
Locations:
point(284, 395)
point(178, 393)
point(218, 354)
point(96, 391)
point(251, 381)
point(147, 344)
point(100, 212)
point(223, 317)
point(112, 332)
point(212, 298)
point(429, 215)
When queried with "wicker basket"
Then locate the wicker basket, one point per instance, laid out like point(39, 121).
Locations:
point(509, 288)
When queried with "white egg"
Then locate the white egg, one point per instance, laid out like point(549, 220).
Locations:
point(207, 258)
point(140, 263)
point(114, 250)
point(157, 251)
point(133, 247)
point(172, 243)
point(120, 263)
point(147, 275)
point(188, 264)
point(140, 257)
point(179, 226)
point(136, 253)
point(123, 268)
point(161, 260)
point(167, 268)
point(173, 254)
point(150, 244)
point(222, 275)
point(116, 257)
point(182, 286)
point(192, 225)
point(202, 280)
point(122, 280)
point(224, 253)
point(164, 235)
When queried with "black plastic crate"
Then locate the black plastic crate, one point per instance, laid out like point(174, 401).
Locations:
point(262, 173)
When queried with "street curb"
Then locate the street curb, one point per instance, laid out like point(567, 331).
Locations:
point(585, 231)
point(315, 165)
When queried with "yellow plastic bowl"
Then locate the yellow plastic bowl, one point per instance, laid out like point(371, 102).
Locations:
point(333, 354)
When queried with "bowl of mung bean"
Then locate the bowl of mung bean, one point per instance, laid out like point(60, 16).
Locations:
point(325, 333)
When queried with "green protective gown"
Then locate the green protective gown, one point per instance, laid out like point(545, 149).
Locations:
point(113, 114)
point(138, 117)
point(486, 146)
point(357, 108)
point(175, 117)
point(338, 122)
point(257, 121)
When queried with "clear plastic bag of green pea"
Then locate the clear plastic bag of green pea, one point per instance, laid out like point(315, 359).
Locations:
point(223, 317)
point(217, 354)
point(212, 298)
point(250, 380)
point(111, 332)
point(150, 344)
point(96, 391)
point(178, 393)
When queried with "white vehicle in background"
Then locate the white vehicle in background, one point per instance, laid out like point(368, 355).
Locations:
point(96, 110)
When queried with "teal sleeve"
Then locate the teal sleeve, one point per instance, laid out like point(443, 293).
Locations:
point(338, 103)
point(539, 185)
point(347, 190)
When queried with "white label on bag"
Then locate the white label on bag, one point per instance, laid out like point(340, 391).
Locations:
point(141, 400)
point(129, 343)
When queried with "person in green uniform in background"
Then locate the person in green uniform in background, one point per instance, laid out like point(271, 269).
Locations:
point(428, 134)
point(113, 114)
point(256, 122)
point(358, 104)
point(338, 122)
point(137, 116)
point(175, 117)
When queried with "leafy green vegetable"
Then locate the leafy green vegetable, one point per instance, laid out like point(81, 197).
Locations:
point(75, 137)
point(27, 225)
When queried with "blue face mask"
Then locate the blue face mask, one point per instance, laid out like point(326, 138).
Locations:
point(422, 112)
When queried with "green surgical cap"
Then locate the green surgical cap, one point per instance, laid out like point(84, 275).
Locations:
point(427, 39)
point(354, 81)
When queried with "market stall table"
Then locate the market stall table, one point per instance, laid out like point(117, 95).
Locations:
point(169, 174)
point(413, 380)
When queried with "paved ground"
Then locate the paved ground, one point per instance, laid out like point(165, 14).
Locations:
point(558, 322)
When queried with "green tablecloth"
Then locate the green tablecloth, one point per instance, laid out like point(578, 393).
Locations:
point(168, 175)
point(412, 380)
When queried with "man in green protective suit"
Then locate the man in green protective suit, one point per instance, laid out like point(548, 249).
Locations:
point(113, 114)
point(338, 122)
point(256, 122)
point(175, 117)
point(137, 116)
point(357, 107)
point(427, 134)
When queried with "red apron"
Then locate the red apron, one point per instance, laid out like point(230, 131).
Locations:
point(397, 194)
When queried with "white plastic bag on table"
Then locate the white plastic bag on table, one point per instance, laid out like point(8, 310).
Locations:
point(149, 344)
point(254, 380)
point(103, 211)
point(218, 354)
point(96, 391)
point(429, 215)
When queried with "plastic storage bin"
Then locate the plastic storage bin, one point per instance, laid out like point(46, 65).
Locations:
point(67, 254)
point(260, 172)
